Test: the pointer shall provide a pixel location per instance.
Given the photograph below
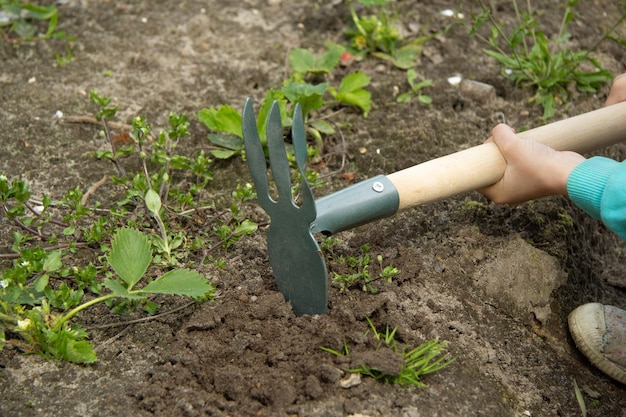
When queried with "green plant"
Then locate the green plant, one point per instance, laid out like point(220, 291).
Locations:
point(39, 296)
point(64, 59)
point(580, 399)
point(352, 91)
point(224, 122)
point(305, 86)
point(239, 225)
point(416, 87)
point(421, 360)
point(532, 59)
point(303, 62)
point(18, 17)
point(377, 34)
point(105, 112)
point(362, 274)
point(29, 308)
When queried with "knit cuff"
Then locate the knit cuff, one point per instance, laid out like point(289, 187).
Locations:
point(585, 184)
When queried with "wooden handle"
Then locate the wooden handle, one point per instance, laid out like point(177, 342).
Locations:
point(484, 165)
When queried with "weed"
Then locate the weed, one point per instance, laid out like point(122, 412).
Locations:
point(421, 360)
point(18, 17)
point(377, 34)
point(580, 399)
point(531, 59)
point(26, 304)
point(362, 274)
point(352, 91)
point(105, 113)
point(416, 87)
point(39, 295)
point(303, 62)
point(66, 58)
point(303, 87)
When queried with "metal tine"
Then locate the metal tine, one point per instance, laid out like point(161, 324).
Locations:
point(278, 156)
point(255, 156)
point(298, 136)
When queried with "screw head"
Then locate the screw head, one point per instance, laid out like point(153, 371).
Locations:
point(378, 187)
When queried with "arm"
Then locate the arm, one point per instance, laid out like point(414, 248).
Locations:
point(598, 186)
point(534, 170)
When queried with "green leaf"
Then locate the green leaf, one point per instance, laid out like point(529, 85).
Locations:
point(223, 154)
point(153, 201)
point(425, 99)
point(323, 126)
point(330, 59)
point(179, 282)
point(245, 228)
point(229, 142)
point(353, 82)
point(405, 58)
point(116, 287)
point(308, 95)
point(41, 283)
point(404, 98)
point(351, 91)
point(80, 352)
point(53, 261)
point(301, 60)
point(360, 98)
point(270, 97)
point(224, 119)
point(130, 255)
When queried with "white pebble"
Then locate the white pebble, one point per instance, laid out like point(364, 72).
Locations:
point(455, 80)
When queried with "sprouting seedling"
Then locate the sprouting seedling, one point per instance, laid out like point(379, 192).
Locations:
point(421, 360)
point(105, 112)
point(362, 274)
point(416, 87)
point(153, 203)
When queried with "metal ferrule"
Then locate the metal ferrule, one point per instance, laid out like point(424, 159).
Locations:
point(361, 203)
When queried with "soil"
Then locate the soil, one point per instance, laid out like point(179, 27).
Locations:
point(495, 282)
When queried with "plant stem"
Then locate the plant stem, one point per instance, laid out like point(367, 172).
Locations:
point(80, 308)
point(163, 233)
point(120, 168)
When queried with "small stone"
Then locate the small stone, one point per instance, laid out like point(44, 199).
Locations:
point(329, 373)
point(477, 91)
point(352, 380)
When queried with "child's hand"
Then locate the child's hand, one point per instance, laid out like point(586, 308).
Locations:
point(618, 90)
point(533, 170)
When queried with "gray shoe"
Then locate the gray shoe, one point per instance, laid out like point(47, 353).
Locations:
point(600, 334)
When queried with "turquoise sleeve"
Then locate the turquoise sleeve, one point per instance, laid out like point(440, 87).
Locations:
point(598, 186)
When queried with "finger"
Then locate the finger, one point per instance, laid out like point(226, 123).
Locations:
point(618, 90)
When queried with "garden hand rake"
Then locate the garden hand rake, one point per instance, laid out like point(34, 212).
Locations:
point(294, 254)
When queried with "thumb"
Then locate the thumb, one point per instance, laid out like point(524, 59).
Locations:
point(504, 136)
